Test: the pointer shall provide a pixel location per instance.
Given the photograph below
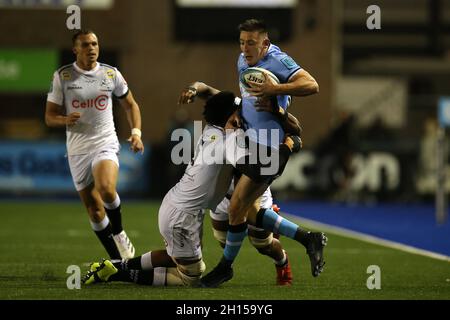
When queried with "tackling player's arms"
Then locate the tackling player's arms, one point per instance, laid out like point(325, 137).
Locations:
point(197, 89)
point(289, 122)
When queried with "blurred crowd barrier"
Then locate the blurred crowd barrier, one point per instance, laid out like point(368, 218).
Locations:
point(40, 167)
point(356, 175)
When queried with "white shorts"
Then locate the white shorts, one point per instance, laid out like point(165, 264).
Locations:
point(181, 230)
point(81, 165)
point(221, 212)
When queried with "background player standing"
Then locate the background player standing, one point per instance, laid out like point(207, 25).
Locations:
point(80, 99)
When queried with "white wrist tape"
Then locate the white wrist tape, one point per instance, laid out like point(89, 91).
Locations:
point(137, 132)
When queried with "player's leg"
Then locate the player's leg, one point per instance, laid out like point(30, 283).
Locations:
point(314, 242)
point(252, 185)
point(262, 240)
point(220, 229)
point(182, 272)
point(147, 261)
point(267, 245)
point(105, 171)
point(181, 264)
point(99, 220)
point(245, 196)
point(219, 221)
point(182, 233)
point(80, 169)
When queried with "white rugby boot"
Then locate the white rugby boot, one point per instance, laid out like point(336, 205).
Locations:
point(124, 245)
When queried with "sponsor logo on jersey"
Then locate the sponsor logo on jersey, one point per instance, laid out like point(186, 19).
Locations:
point(110, 73)
point(74, 86)
point(65, 75)
point(106, 85)
point(100, 103)
point(288, 62)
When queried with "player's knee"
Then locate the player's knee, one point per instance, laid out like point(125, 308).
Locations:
point(107, 191)
point(235, 208)
point(220, 236)
point(96, 214)
point(237, 213)
point(263, 245)
point(190, 274)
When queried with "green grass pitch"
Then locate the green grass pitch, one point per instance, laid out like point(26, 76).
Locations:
point(39, 240)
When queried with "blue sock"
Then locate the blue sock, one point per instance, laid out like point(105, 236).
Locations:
point(271, 221)
point(235, 235)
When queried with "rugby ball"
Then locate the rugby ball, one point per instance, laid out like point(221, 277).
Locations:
point(256, 75)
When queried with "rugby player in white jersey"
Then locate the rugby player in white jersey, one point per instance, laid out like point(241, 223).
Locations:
point(80, 100)
point(204, 184)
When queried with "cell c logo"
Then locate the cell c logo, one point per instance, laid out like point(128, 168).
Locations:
point(101, 102)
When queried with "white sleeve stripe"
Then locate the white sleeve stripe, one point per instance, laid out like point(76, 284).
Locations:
point(294, 73)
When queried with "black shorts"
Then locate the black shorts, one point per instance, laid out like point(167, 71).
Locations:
point(263, 164)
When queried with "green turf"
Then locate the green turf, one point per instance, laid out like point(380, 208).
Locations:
point(38, 241)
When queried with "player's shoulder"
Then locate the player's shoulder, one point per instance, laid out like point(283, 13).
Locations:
point(64, 67)
point(65, 72)
point(212, 133)
point(106, 66)
point(275, 55)
point(110, 71)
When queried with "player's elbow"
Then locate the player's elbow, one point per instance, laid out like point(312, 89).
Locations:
point(314, 87)
point(48, 121)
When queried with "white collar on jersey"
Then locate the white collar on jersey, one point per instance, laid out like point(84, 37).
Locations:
point(78, 69)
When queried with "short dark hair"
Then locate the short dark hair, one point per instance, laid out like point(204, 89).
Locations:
point(219, 108)
point(251, 25)
point(80, 33)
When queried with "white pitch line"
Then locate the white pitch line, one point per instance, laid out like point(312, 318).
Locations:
point(368, 238)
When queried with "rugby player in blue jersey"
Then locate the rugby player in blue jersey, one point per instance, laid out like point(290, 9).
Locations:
point(265, 137)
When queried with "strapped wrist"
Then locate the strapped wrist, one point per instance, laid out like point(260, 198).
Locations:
point(193, 89)
point(283, 114)
point(137, 132)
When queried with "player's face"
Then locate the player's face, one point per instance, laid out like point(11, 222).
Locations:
point(253, 45)
point(86, 48)
point(234, 121)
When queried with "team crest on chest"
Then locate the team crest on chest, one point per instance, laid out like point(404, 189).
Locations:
point(106, 84)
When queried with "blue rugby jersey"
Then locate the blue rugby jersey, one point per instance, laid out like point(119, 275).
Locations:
point(283, 66)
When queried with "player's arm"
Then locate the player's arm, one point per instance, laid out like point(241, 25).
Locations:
point(300, 84)
point(196, 89)
point(134, 119)
point(290, 123)
point(54, 116)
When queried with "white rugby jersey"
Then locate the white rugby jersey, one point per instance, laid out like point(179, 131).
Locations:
point(207, 177)
point(89, 93)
